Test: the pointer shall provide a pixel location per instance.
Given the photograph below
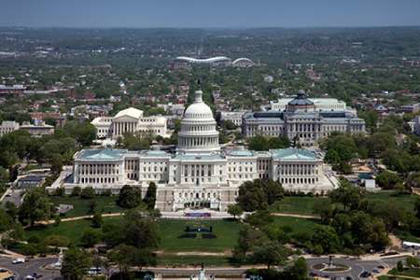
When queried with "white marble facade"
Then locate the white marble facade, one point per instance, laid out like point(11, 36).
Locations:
point(200, 173)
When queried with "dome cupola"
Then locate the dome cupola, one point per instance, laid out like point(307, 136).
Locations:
point(198, 132)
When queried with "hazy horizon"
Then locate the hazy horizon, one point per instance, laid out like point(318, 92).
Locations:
point(209, 14)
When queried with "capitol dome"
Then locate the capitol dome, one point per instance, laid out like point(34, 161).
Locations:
point(199, 109)
point(198, 132)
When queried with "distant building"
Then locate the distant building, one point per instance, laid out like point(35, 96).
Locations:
point(174, 109)
point(130, 120)
point(185, 62)
point(412, 108)
point(303, 121)
point(37, 130)
point(30, 181)
point(15, 90)
point(243, 62)
point(320, 104)
point(235, 117)
point(8, 127)
point(415, 125)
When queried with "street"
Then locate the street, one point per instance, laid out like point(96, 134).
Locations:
point(32, 266)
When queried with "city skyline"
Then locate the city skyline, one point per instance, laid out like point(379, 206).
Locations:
point(204, 13)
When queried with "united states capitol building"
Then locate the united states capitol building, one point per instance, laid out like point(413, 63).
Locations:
point(303, 119)
point(200, 172)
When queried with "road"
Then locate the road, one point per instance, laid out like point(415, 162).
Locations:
point(27, 268)
point(357, 266)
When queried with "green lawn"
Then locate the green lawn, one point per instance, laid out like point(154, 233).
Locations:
point(304, 204)
point(296, 205)
point(81, 206)
point(73, 230)
point(226, 232)
point(298, 225)
point(403, 201)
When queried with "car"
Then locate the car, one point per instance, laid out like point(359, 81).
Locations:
point(381, 267)
point(2, 270)
point(29, 277)
point(18, 260)
point(365, 274)
point(94, 271)
point(375, 271)
point(36, 275)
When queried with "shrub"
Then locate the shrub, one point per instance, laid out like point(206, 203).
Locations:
point(87, 193)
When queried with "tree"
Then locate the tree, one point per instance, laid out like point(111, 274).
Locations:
point(5, 220)
point(76, 191)
point(346, 194)
point(35, 207)
point(87, 193)
point(97, 220)
point(150, 197)
point(75, 263)
point(129, 197)
point(324, 209)
point(387, 180)
point(417, 208)
point(259, 194)
point(90, 237)
point(412, 262)
point(92, 207)
point(126, 256)
point(235, 210)
point(327, 238)
point(270, 253)
point(11, 210)
point(299, 270)
point(258, 143)
point(400, 266)
point(259, 218)
point(57, 241)
point(140, 230)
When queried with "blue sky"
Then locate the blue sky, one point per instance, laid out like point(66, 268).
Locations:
point(208, 13)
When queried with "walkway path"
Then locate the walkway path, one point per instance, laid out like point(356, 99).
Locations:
point(176, 215)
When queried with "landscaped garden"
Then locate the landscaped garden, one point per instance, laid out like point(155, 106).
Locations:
point(225, 232)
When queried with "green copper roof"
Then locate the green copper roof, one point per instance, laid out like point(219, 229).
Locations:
point(291, 154)
point(154, 153)
point(239, 153)
point(101, 154)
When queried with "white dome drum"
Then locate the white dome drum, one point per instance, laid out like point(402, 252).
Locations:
point(198, 128)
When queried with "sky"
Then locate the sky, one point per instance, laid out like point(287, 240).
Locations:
point(209, 13)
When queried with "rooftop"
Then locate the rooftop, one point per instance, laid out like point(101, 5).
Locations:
point(292, 154)
point(101, 154)
point(130, 112)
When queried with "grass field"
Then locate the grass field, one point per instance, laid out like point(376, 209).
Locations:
point(81, 206)
point(296, 204)
point(226, 232)
point(403, 201)
point(298, 225)
point(304, 204)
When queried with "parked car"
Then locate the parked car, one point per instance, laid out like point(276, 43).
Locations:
point(18, 260)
